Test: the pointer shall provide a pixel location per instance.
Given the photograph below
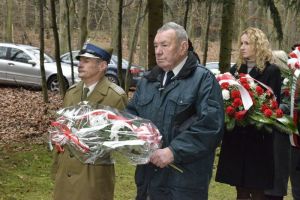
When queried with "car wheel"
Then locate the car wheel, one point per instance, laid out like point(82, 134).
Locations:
point(112, 78)
point(53, 83)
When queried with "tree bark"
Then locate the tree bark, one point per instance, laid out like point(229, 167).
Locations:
point(144, 43)
point(207, 32)
point(9, 21)
point(139, 19)
point(62, 86)
point(243, 16)
point(114, 22)
point(155, 21)
point(63, 31)
point(119, 44)
point(70, 40)
point(83, 29)
point(42, 46)
point(226, 35)
point(186, 13)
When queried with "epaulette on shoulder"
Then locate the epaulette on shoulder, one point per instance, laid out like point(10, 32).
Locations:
point(117, 89)
point(72, 86)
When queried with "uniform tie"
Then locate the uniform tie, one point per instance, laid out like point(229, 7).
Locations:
point(170, 75)
point(85, 93)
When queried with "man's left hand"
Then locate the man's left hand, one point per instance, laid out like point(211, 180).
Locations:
point(162, 157)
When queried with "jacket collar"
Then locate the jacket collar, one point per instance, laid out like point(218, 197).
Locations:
point(97, 94)
point(254, 73)
point(188, 68)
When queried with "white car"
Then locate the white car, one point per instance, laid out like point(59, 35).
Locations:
point(214, 67)
point(20, 65)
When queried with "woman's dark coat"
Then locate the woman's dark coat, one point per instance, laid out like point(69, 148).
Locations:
point(246, 157)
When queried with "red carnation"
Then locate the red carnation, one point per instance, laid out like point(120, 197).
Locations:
point(247, 86)
point(230, 111)
point(259, 90)
point(264, 107)
point(268, 113)
point(225, 85)
point(274, 104)
point(240, 115)
point(286, 92)
point(279, 113)
point(237, 102)
point(243, 80)
point(235, 94)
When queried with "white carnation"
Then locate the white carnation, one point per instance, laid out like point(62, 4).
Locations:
point(252, 84)
point(285, 81)
point(225, 94)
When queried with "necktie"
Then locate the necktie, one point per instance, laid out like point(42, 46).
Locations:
point(85, 92)
point(170, 74)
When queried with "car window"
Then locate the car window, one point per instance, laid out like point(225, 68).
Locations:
point(19, 55)
point(66, 57)
point(3, 51)
point(36, 53)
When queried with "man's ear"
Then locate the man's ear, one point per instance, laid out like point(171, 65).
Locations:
point(103, 65)
point(184, 46)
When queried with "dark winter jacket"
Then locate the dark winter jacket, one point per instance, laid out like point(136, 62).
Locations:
point(189, 114)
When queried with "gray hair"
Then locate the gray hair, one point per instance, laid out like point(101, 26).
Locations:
point(280, 58)
point(179, 30)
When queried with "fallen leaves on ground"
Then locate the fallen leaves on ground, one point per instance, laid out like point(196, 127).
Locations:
point(24, 115)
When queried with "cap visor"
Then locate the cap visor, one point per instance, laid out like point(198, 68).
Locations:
point(88, 55)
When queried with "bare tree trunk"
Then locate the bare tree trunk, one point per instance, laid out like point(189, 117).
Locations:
point(243, 16)
point(83, 30)
point(70, 40)
point(43, 74)
point(119, 44)
point(155, 21)
point(62, 85)
point(9, 22)
point(186, 13)
point(143, 43)
point(114, 28)
point(207, 32)
point(23, 24)
point(226, 35)
point(63, 31)
point(251, 11)
point(139, 19)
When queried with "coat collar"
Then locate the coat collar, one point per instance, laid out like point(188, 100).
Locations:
point(254, 73)
point(98, 93)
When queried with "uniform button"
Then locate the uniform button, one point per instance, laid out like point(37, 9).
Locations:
point(155, 170)
point(69, 174)
point(71, 155)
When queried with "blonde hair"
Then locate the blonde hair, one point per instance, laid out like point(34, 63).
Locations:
point(261, 46)
point(280, 58)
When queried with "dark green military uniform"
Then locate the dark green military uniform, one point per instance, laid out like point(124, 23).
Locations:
point(73, 179)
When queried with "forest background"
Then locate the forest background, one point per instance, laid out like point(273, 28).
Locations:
point(213, 26)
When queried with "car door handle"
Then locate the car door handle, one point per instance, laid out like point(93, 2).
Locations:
point(11, 64)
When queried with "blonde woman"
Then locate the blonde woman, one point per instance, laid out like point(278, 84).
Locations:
point(246, 159)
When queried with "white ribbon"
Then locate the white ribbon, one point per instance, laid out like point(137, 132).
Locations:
point(245, 96)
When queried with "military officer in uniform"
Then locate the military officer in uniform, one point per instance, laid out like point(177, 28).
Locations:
point(72, 178)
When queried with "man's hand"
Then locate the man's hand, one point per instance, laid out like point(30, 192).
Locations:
point(162, 157)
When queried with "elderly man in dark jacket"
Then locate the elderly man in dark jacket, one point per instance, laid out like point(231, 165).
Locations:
point(188, 111)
